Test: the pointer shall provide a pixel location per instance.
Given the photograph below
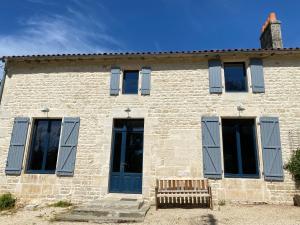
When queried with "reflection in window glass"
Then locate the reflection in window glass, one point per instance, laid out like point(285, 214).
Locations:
point(134, 152)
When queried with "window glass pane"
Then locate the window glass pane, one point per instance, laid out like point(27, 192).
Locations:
point(248, 147)
point(229, 147)
point(244, 143)
point(39, 145)
point(235, 77)
point(134, 152)
point(44, 147)
point(130, 82)
point(117, 152)
point(54, 135)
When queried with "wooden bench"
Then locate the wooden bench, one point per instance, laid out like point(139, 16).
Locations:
point(183, 192)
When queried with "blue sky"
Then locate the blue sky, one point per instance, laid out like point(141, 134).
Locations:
point(74, 26)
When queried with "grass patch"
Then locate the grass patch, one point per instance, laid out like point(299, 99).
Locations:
point(61, 204)
point(7, 201)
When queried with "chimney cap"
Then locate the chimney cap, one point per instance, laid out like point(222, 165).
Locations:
point(271, 19)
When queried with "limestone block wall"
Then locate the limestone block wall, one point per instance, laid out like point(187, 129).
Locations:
point(172, 114)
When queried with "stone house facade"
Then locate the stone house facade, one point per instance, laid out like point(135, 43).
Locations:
point(81, 127)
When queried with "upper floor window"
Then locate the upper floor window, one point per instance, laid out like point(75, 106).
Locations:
point(130, 82)
point(44, 146)
point(235, 77)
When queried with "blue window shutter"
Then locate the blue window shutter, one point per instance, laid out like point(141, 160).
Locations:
point(68, 147)
point(271, 148)
point(215, 80)
point(17, 146)
point(257, 76)
point(211, 147)
point(115, 81)
point(146, 81)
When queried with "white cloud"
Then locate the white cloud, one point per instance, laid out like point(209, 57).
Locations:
point(75, 31)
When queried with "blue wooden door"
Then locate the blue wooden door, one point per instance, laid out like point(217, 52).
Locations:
point(127, 156)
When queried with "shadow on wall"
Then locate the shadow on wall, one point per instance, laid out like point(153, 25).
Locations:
point(93, 65)
point(297, 184)
point(208, 219)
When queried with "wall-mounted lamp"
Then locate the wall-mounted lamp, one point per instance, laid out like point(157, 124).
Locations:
point(45, 109)
point(240, 108)
point(128, 111)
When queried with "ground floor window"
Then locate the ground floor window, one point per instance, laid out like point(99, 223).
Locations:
point(239, 147)
point(44, 146)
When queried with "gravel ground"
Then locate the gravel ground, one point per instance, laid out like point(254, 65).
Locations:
point(234, 214)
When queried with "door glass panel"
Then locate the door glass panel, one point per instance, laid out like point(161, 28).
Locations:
point(134, 152)
point(117, 152)
point(135, 124)
point(129, 123)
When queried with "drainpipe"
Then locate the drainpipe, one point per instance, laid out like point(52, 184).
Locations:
point(3, 78)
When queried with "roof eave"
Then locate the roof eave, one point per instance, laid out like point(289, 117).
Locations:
point(207, 53)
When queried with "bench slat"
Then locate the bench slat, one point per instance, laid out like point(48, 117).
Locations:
point(182, 191)
point(182, 195)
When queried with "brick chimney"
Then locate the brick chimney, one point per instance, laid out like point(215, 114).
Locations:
point(271, 33)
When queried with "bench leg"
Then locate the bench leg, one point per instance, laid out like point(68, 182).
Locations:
point(210, 198)
point(156, 202)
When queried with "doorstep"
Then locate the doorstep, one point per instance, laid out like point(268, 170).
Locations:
point(112, 208)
